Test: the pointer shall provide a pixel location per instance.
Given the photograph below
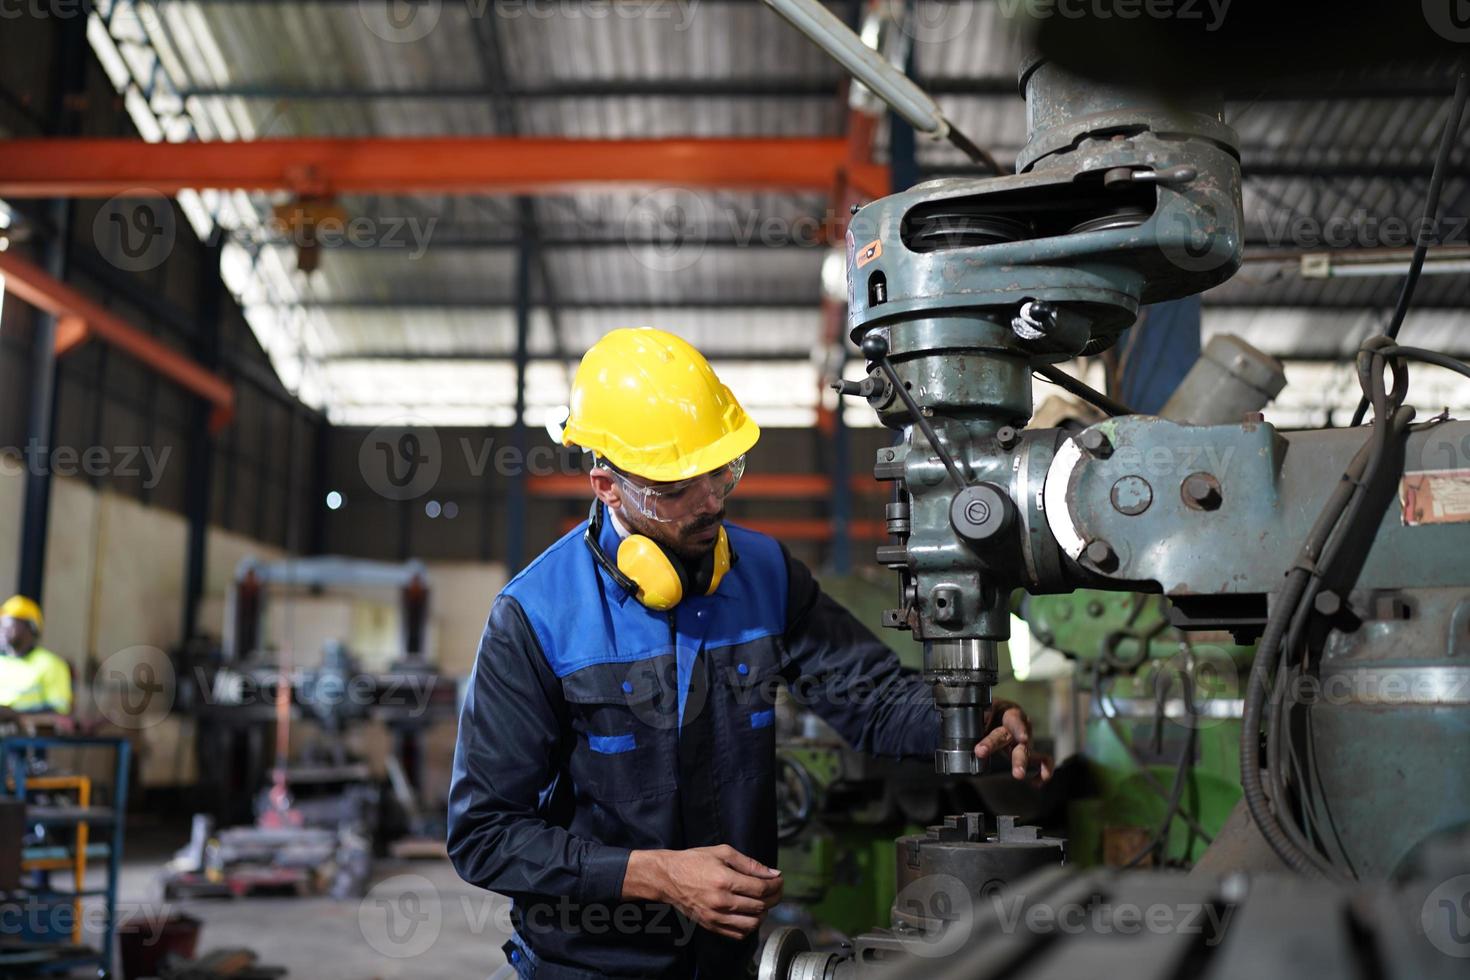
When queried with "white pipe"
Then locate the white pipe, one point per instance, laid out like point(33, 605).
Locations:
point(830, 34)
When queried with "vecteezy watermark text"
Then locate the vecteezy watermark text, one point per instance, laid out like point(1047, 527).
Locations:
point(403, 459)
point(403, 917)
point(301, 229)
point(406, 21)
point(1099, 916)
point(39, 459)
point(1211, 12)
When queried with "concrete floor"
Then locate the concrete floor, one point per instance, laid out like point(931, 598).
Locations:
point(418, 921)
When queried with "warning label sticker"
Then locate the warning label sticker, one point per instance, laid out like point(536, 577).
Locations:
point(1435, 497)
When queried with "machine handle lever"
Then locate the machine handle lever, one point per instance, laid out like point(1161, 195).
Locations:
point(875, 349)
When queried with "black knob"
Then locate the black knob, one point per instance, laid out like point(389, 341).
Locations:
point(980, 512)
point(875, 347)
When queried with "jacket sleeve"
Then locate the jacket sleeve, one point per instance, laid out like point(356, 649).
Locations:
point(506, 761)
point(851, 678)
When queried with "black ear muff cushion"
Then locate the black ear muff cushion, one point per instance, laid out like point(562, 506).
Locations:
point(689, 582)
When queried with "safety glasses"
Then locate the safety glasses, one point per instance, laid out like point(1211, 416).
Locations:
point(670, 502)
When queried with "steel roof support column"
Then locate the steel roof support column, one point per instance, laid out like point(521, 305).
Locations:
point(515, 511)
point(532, 257)
point(40, 427)
point(69, 77)
point(199, 475)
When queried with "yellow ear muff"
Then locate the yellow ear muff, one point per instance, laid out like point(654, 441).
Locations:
point(659, 583)
point(721, 561)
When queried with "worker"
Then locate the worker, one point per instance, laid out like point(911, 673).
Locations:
point(33, 680)
point(616, 751)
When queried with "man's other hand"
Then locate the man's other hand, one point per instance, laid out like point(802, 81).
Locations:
point(719, 888)
point(1009, 731)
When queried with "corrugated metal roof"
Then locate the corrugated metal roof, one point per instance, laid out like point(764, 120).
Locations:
point(445, 282)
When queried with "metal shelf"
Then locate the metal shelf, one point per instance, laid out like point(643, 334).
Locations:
point(60, 816)
point(15, 755)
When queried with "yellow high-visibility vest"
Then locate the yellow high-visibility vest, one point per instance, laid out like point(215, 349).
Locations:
point(39, 681)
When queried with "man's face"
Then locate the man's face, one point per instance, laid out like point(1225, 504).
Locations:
point(16, 635)
point(684, 517)
point(691, 538)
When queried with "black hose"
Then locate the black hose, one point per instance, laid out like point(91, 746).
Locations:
point(1099, 697)
point(1431, 204)
point(1431, 213)
point(1286, 627)
point(1087, 393)
point(1267, 653)
point(1250, 773)
point(1428, 357)
point(1181, 771)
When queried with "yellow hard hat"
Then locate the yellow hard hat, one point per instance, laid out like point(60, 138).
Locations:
point(650, 403)
point(19, 607)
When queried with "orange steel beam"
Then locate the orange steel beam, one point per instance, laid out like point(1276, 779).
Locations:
point(764, 486)
point(71, 332)
point(467, 165)
point(79, 318)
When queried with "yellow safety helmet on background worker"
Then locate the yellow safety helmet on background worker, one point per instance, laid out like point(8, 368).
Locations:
point(21, 607)
point(648, 403)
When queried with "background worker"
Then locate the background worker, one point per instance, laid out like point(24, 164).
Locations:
point(33, 680)
point(616, 749)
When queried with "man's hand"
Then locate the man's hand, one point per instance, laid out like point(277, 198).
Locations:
point(1010, 731)
point(718, 887)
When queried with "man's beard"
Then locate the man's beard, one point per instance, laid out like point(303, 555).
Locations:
point(694, 552)
point(681, 542)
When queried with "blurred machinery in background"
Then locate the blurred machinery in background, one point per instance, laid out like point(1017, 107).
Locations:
point(1163, 711)
point(838, 812)
point(302, 805)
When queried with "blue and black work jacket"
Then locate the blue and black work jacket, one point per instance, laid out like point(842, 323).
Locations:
point(593, 726)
